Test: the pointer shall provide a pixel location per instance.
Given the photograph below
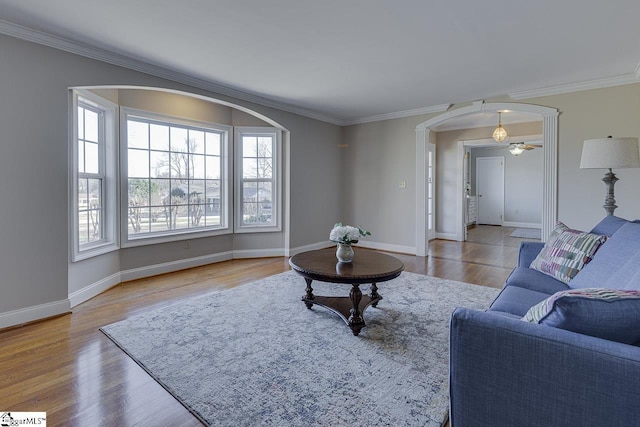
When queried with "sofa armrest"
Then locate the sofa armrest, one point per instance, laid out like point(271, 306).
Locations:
point(506, 372)
point(528, 252)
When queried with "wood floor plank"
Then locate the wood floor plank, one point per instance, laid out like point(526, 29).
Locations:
point(68, 368)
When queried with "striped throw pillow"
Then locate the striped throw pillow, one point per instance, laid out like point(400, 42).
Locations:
point(566, 252)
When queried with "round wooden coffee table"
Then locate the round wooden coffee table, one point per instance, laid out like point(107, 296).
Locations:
point(367, 267)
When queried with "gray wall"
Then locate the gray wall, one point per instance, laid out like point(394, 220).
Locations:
point(358, 184)
point(34, 177)
point(391, 145)
point(522, 183)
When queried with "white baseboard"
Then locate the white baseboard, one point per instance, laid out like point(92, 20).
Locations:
point(312, 247)
point(30, 314)
point(258, 253)
point(171, 266)
point(447, 236)
point(521, 224)
point(94, 289)
point(33, 313)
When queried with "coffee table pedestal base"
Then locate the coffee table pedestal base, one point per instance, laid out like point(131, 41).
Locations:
point(350, 309)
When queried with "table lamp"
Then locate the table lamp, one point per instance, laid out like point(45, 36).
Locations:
point(610, 153)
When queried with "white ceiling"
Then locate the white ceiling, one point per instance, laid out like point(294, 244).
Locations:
point(351, 61)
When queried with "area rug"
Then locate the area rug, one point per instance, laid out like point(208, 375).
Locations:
point(255, 355)
point(527, 233)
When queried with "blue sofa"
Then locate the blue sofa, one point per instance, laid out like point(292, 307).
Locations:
point(508, 372)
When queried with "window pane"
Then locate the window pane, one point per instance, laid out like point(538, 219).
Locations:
point(196, 191)
point(159, 137)
point(80, 123)
point(179, 165)
point(196, 215)
point(92, 159)
point(137, 134)
point(264, 146)
point(90, 210)
point(80, 156)
point(197, 164)
point(138, 162)
point(181, 217)
point(213, 143)
point(196, 141)
point(95, 193)
point(139, 192)
point(213, 167)
point(159, 192)
point(212, 199)
point(264, 168)
point(83, 194)
point(179, 139)
point(249, 192)
point(249, 213)
point(138, 207)
point(91, 126)
point(264, 192)
point(159, 164)
point(83, 206)
point(249, 168)
point(178, 193)
point(94, 225)
point(249, 146)
point(160, 218)
point(174, 168)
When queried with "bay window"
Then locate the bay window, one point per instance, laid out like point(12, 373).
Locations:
point(175, 173)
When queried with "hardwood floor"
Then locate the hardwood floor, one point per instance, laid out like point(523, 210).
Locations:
point(68, 368)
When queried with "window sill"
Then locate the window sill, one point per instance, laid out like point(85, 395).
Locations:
point(171, 237)
point(94, 251)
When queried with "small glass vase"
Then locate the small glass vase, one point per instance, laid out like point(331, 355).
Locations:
point(344, 252)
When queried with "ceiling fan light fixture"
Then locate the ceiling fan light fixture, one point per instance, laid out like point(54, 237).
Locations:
point(516, 150)
point(500, 134)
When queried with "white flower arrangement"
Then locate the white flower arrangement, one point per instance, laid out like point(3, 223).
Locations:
point(347, 234)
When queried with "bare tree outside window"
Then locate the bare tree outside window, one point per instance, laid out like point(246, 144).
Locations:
point(183, 167)
point(257, 178)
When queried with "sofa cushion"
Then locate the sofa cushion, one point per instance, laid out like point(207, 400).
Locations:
point(604, 313)
point(516, 300)
point(609, 225)
point(617, 263)
point(525, 277)
point(566, 252)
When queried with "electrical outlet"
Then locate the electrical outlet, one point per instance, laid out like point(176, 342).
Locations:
point(187, 244)
point(403, 184)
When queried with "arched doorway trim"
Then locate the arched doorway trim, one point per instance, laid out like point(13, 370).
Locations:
point(550, 162)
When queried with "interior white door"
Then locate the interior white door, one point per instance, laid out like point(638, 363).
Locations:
point(490, 189)
point(431, 191)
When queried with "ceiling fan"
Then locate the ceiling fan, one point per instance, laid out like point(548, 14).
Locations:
point(517, 148)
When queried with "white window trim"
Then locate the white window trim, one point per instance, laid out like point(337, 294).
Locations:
point(226, 172)
point(276, 201)
point(110, 164)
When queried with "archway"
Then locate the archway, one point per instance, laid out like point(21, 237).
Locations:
point(550, 163)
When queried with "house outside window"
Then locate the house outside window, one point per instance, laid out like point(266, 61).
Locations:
point(93, 148)
point(175, 175)
point(257, 152)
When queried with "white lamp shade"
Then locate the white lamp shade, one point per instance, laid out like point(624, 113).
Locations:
point(610, 153)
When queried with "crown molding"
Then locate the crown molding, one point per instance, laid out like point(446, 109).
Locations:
point(113, 58)
point(399, 114)
point(577, 87)
point(118, 59)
